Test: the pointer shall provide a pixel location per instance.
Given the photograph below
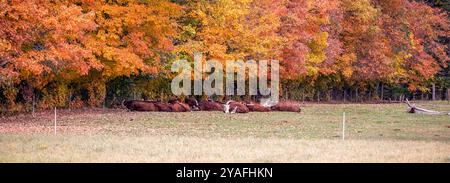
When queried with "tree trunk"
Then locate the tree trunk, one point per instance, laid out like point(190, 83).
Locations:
point(414, 109)
point(70, 98)
point(33, 104)
point(345, 93)
point(382, 92)
point(328, 95)
point(286, 88)
point(448, 94)
point(434, 92)
point(318, 96)
point(333, 94)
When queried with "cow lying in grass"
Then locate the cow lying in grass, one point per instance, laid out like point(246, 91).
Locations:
point(286, 107)
point(155, 106)
point(204, 105)
point(235, 107)
point(207, 105)
point(193, 103)
point(178, 106)
point(163, 107)
point(137, 105)
point(256, 107)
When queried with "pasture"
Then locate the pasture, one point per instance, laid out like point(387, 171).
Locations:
point(374, 133)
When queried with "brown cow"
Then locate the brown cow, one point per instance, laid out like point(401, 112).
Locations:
point(287, 107)
point(162, 107)
point(177, 106)
point(173, 100)
point(235, 107)
point(255, 107)
point(193, 103)
point(137, 105)
point(185, 106)
point(210, 106)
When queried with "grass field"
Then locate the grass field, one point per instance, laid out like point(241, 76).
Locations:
point(374, 133)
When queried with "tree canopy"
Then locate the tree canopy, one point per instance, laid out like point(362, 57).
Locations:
point(69, 52)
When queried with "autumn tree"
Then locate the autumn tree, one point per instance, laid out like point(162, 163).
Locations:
point(312, 47)
point(130, 39)
point(231, 29)
point(414, 31)
point(43, 42)
point(78, 52)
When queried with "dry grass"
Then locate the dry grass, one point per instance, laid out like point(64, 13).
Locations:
point(375, 133)
point(195, 149)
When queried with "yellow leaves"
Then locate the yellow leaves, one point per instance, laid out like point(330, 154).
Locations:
point(189, 46)
point(317, 46)
point(217, 51)
point(118, 62)
point(346, 61)
point(5, 45)
point(347, 72)
point(189, 30)
point(312, 71)
point(398, 60)
point(233, 29)
point(412, 40)
point(360, 10)
point(360, 16)
point(316, 54)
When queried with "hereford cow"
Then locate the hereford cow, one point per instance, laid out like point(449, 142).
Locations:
point(193, 103)
point(286, 107)
point(137, 105)
point(255, 107)
point(235, 107)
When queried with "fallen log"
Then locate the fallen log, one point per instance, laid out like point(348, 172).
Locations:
point(413, 109)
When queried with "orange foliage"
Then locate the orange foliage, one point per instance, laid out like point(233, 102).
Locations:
point(55, 47)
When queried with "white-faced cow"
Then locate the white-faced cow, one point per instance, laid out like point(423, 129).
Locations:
point(193, 103)
point(256, 107)
point(235, 107)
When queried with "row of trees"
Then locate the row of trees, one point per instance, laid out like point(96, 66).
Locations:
point(75, 53)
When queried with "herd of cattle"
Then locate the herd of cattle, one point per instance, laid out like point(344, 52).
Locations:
point(191, 104)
